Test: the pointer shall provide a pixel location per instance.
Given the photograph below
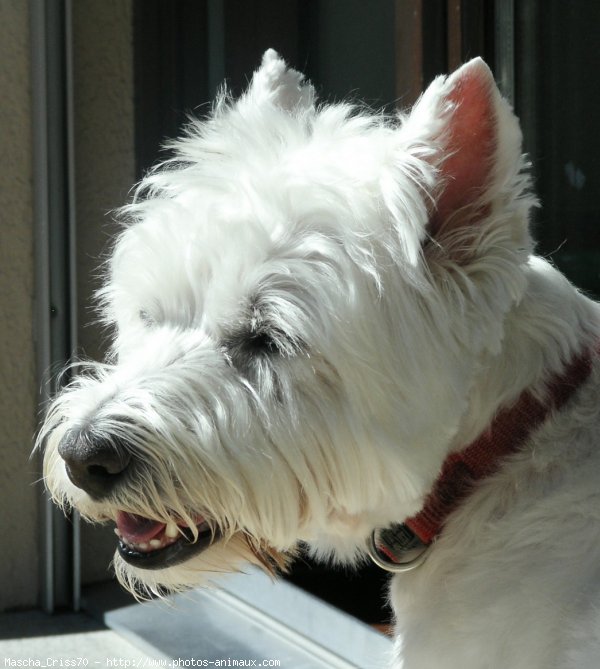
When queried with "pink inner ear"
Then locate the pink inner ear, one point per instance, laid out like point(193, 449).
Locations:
point(471, 146)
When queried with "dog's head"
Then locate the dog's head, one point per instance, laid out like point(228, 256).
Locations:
point(298, 302)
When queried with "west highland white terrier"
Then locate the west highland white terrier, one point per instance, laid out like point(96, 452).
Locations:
point(330, 327)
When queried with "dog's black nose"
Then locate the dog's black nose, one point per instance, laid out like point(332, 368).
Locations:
point(94, 463)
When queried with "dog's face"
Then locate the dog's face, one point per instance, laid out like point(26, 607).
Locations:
point(295, 302)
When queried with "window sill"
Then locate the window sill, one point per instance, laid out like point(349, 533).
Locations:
point(247, 617)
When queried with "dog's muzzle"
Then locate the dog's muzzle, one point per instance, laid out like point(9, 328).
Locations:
point(94, 463)
point(98, 465)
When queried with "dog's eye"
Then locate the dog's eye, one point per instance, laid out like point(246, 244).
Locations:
point(261, 342)
point(146, 319)
point(248, 345)
point(244, 345)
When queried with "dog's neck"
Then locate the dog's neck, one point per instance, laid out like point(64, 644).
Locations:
point(506, 434)
point(552, 328)
point(513, 393)
point(404, 546)
point(551, 324)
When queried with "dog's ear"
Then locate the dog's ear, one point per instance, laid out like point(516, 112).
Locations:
point(276, 84)
point(479, 145)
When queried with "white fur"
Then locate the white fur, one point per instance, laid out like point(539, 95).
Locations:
point(396, 345)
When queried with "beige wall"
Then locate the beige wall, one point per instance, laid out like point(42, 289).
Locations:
point(18, 497)
point(103, 70)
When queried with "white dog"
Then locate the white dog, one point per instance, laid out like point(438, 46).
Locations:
point(329, 326)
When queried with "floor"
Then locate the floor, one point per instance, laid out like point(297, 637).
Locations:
point(64, 640)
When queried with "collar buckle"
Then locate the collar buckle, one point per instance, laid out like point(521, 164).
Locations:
point(397, 548)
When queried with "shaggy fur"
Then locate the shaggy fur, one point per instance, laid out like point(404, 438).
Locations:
point(312, 306)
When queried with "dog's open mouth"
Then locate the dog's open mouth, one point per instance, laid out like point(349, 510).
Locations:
point(150, 544)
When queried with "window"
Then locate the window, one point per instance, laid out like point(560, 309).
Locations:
point(556, 56)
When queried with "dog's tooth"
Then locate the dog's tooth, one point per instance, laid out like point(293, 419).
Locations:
point(143, 547)
point(117, 532)
point(155, 543)
point(171, 530)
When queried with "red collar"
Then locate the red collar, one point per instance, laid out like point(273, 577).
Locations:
point(507, 433)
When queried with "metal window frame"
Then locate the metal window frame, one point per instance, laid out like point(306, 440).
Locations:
point(54, 249)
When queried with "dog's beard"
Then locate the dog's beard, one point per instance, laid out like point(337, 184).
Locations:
point(207, 542)
point(227, 550)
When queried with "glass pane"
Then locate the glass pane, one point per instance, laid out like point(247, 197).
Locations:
point(558, 100)
point(350, 50)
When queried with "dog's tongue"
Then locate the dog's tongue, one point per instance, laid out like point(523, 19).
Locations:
point(137, 529)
